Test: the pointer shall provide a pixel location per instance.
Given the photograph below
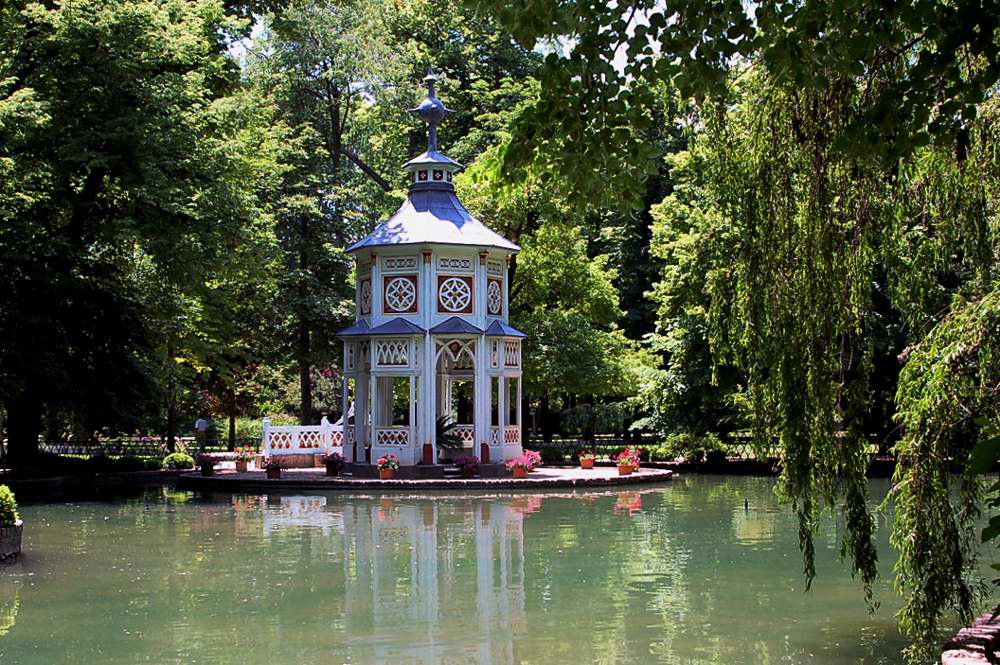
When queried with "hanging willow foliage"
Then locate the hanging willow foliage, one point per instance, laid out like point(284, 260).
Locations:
point(947, 224)
point(821, 229)
point(808, 217)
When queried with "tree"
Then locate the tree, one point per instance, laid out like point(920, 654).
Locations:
point(839, 130)
point(124, 181)
point(699, 386)
point(321, 63)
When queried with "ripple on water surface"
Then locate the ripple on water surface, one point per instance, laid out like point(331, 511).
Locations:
point(680, 573)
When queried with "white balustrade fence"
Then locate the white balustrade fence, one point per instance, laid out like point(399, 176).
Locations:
point(303, 439)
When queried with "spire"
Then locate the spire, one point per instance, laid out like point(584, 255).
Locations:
point(432, 110)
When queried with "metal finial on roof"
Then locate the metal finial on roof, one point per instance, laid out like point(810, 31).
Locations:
point(432, 110)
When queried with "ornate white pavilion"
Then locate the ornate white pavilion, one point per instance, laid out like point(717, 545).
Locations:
point(431, 343)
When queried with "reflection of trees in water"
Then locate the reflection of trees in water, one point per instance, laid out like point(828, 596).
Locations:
point(680, 574)
point(10, 603)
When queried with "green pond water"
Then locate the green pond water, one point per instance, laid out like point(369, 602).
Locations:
point(675, 573)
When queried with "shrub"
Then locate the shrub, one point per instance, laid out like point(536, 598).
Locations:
point(8, 506)
point(204, 459)
point(467, 461)
point(335, 461)
point(715, 457)
point(662, 453)
point(552, 455)
point(99, 463)
point(128, 463)
point(178, 461)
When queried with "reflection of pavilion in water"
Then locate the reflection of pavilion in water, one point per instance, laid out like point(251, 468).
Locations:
point(405, 560)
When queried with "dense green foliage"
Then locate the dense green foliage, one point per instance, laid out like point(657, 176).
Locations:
point(849, 177)
point(8, 506)
point(178, 461)
point(780, 228)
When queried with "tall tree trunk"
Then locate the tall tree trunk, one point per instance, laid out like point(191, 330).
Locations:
point(171, 402)
point(171, 422)
point(305, 385)
point(545, 414)
point(304, 342)
point(232, 419)
point(24, 423)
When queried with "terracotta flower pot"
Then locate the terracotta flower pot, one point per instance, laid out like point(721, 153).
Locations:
point(520, 472)
point(587, 463)
point(318, 460)
point(624, 470)
point(241, 467)
point(273, 474)
point(10, 539)
point(386, 474)
point(332, 469)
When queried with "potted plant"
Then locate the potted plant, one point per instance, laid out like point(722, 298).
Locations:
point(11, 526)
point(243, 458)
point(272, 469)
point(468, 465)
point(206, 463)
point(587, 458)
point(334, 463)
point(387, 465)
point(628, 461)
point(522, 465)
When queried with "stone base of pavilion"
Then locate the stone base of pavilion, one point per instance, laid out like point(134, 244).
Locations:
point(364, 476)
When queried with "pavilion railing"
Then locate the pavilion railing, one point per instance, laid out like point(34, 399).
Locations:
point(302, 439)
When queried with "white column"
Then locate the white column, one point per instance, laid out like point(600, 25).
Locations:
point(374, 404)
point(266, 442)
point(415, 444)
point(481, 412)
point(429, 376)
point(377, 317)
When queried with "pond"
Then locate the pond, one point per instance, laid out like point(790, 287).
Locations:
point(675, 573)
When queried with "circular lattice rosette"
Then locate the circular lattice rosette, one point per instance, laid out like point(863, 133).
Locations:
point(454, 294)
point(400, 294)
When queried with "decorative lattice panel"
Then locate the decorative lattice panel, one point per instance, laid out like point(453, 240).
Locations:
point(495, 436)
point(494, 353)
point(467, 433)
point(494, 268)
point(399, 263)
point(455, 294)
point(365, 296)
point(350, 355)
point(494, 296)
point(400, 294)
point(310, 440)
point(280, 440)
point(511, 435)
point(364, 268)
point(511, 353)
point(392, 437)
point(450, 264)
point(338, 438)
point(391, 353)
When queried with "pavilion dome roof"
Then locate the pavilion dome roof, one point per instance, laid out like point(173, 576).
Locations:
point(432, 213)
point(433, 216)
